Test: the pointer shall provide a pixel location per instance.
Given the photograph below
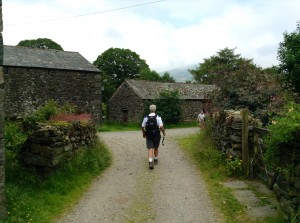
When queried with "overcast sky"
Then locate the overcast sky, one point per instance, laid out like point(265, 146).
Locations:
point(167, 34)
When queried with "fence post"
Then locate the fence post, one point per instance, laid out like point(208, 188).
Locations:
point(245, 148)
point(255, 141)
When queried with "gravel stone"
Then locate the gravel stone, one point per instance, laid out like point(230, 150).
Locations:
point(129, 191)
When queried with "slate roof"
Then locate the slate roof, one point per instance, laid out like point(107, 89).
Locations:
point(150, 89)
point(44, 58)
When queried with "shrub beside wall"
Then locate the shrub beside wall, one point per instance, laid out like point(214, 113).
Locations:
point(49, 145)
point(281, 152)
point(287, 185)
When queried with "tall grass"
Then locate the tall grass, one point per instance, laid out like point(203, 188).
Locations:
point(31, 198)
point(212, 164)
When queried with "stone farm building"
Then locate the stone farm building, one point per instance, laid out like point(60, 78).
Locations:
point(34, 76)
point(127, 103)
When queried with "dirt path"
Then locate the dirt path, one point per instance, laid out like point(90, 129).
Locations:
point(129, 192)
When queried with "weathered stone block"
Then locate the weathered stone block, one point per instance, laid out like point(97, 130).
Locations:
point(38, 160)
point(68, 147)
point(235, 138)
point(48, 140)
point(1, 74)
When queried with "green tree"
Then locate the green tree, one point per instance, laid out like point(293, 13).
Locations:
point(289, 57)
point(168, 106)
point(213, 69)
point(116, 65)
point(150, 75)
point(42, 43)
point(241, 84)
point(167, 78)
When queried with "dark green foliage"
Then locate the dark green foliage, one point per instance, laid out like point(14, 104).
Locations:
point(14, 136)
point(289, 57)
point(168, 106)
point(152, 75)
point(31, 198)
point(42, 114)
point(241, 84)
point(116, 65)
point(149, 75)
point(217, 67)
point(167, 78)
point(284, 129)
point(42, 43)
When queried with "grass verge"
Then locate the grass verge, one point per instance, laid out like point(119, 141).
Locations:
point(33, 199)
point(213, 168)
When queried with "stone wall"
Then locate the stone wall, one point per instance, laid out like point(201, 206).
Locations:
point(2, 155)
point(227, 132)
point(287, 184)
point(126, 102)
point(50, 145)
point(191, 109)
point(29, 88)
point(227, 135)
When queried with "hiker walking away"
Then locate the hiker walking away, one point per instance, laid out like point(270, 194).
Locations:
point(201, 119)
point(152, 125)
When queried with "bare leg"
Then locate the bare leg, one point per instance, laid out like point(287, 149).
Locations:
point(156, 152)
point(151, 153)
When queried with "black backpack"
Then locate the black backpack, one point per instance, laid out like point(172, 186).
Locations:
point(152, 130)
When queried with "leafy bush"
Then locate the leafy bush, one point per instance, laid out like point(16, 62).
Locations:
point(234, 167)
point(43, 113)
point(168, 106)
point(284, 129)
point(14, 136)
point(32, 199)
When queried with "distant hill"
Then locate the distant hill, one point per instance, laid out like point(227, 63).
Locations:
point(181, 74)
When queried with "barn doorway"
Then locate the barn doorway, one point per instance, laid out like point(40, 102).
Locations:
point(125, 116)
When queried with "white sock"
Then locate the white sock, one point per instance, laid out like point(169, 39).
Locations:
point(155, 158)
point(150, 159)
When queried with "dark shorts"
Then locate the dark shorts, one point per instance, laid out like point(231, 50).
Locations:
point(153, 143)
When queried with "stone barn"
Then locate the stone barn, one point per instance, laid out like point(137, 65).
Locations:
point(128, 103)
point(34, 76)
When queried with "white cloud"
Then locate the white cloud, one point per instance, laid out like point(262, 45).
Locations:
point(166, 34)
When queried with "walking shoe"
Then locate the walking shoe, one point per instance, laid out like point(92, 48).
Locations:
point(151, 166)
point(155, 161)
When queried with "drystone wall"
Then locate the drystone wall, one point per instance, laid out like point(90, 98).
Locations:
point(2, 155)
point(28, 88)
point(227, 135)
point(287, 184)
point(50, 145)
point(227, 132)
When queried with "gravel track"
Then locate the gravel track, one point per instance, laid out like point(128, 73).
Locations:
point(173, 192)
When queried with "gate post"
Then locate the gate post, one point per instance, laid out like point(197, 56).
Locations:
point(245, 148)
point(3, 212)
